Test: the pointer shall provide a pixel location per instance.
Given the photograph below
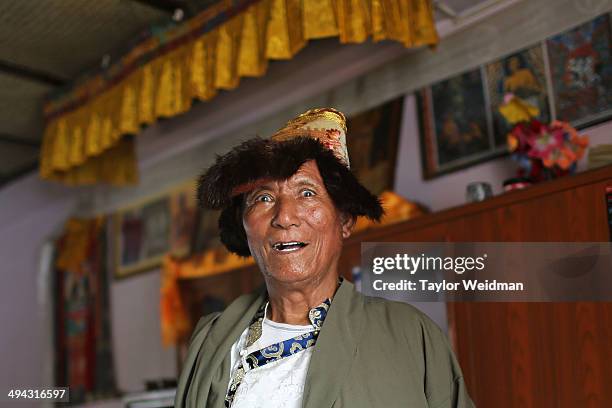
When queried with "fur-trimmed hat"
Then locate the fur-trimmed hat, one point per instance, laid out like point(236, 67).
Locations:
point(318, 135)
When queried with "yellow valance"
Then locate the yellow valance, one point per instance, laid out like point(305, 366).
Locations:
point(84, 140)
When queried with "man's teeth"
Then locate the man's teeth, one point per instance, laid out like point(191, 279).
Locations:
point(289, 246)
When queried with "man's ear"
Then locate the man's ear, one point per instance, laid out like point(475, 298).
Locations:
point(348, 222)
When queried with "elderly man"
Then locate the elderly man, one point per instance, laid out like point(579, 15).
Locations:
point(309, 340)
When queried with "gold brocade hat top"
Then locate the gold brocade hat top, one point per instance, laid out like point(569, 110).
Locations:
point(327, 125)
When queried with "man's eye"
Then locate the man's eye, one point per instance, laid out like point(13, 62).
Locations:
point(266, 198)
point(308, 193)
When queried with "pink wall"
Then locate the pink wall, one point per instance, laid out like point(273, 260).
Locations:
point(139, 354)
point(31, 211)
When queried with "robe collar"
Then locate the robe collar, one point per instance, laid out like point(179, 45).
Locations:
point(330, 363)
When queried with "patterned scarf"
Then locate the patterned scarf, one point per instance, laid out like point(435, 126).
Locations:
point(275, 351)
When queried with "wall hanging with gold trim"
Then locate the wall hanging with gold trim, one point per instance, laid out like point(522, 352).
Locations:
point(82, 331)
point(86, 126)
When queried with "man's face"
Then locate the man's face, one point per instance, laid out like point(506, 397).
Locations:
point(293, 228)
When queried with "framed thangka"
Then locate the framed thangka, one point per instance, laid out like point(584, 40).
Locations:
point(455, 126)
point(372, 145)
point(524, 75)
point(581, 72)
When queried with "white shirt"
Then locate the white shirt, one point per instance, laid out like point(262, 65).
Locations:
point(276, 384)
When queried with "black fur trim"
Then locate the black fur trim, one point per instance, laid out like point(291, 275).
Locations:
point(260, 158)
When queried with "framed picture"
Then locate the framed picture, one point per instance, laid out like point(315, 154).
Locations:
point(524, 75)
point(143, 237)
point(146, 232)
point(456, 129)
point(581, 72)
point(372, 145)
point(206, 234)
point(206, 237)
point(183, 213)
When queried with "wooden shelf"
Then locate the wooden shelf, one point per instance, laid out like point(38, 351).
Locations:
point(504, 200)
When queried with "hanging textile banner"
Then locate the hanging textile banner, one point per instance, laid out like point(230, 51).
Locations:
point(84, 360)
point(86, 126)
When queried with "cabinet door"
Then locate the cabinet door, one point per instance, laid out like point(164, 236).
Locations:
point(536, 354)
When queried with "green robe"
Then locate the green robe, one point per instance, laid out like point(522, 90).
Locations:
point(370, 353)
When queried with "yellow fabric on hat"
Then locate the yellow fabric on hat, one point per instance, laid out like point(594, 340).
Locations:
point(327, 125)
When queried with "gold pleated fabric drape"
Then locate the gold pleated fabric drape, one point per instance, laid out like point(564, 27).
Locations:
point(85, 142)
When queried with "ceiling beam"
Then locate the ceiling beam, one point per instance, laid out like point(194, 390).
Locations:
point(30, 74)
point(445, 9)
point(4, 138)
point(6, 178)
point(168, 6)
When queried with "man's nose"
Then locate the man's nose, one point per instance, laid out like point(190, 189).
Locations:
point(286, 213)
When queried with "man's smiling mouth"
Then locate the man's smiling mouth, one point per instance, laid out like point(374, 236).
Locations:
point(289, 246)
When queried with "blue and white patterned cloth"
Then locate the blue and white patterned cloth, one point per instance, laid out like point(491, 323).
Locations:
point(276, 351)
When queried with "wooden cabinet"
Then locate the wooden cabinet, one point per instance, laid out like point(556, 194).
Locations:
point(525, 354)
point(512, 354)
